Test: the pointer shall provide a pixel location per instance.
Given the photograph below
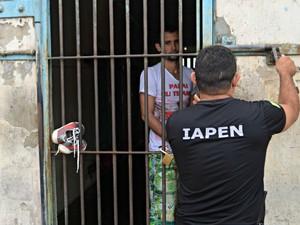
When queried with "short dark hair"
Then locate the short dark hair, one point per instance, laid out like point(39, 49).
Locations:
point(170, 28)
point(215, 69)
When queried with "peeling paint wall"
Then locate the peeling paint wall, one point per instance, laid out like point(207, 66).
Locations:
point(271, 22)
point(17, 36)
point(20, 201)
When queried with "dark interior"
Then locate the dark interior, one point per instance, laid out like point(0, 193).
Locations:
point(70, 93)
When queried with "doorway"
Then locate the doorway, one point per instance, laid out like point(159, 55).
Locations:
point(97, 55)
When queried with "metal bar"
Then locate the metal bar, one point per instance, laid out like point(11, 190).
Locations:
point(120, 56)
point(65, 187)
point(264, 49)
point(162, 44)
point(249, 48)
point(61, 61)
point(198, 25)
point(78, 66)
point(96, 93)
point(252, 50)
point(129, 127)
point(119, 152)
point(145, 39)
point(53, 161)
point(180, 30)
point(23, 53)
point(81, 180)
point(163, 108)
point(63, 115)
point(113, 109)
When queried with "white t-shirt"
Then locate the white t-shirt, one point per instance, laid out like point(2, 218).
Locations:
point(171, 96)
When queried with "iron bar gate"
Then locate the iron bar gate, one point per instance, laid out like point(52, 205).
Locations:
point(99, 48)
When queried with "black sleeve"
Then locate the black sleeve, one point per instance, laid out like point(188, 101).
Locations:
point(168, 127)
point(274, 117)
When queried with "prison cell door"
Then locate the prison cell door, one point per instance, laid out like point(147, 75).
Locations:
point(98, 50)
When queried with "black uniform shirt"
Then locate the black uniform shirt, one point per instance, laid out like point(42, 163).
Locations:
point(220, 148)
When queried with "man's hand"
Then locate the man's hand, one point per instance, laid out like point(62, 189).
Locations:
point(288, 97)
point(285, 66)
point(195, 99)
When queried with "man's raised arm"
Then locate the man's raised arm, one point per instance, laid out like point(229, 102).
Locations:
point(288, 95)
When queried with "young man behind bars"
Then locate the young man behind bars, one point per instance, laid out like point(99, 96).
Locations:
point(172, 90)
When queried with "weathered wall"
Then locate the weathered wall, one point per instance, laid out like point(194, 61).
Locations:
point(19, 156)
point(259, 22)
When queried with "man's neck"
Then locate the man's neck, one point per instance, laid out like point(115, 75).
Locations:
point(208, 97)
point(172, 67)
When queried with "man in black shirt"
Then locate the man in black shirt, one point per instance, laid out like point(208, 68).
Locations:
point(220, 143)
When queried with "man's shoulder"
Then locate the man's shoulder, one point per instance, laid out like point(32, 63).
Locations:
point(262, 103)
point(153, 70)
point(246, 106)
point(263, 108)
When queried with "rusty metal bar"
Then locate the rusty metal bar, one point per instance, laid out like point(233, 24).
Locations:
point(180, 32)
point(63, 114)
point(163, 108)
point(145, 39)
point(81, 181)
point(121, 56)
point(113, 110)
point(162, 44)
point(96, 93)
point(263, 49)
point(78, 66)
point(65, 182)
point(119, 152)
point(55, 222)
point(198, 25)
point(62, 74)
point(129, 127)
point(238, 50)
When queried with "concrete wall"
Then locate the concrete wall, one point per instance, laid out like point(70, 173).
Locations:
point(272, 22)
point(20, 202)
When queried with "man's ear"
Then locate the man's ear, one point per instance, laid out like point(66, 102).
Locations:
point(193, 78)
point(158, 47)
point(235, 80)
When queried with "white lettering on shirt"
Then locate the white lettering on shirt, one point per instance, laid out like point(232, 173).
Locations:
point(238, 131)
point(223, 132)
point(197, 134)
point(186, 133)
point(209, 132)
